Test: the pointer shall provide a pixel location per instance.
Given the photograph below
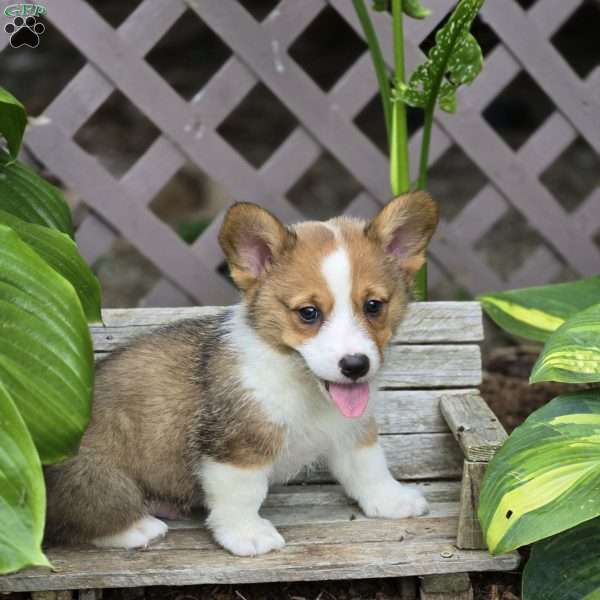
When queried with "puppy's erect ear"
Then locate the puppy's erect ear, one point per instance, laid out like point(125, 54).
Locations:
point(251, 239)
point(404, 227)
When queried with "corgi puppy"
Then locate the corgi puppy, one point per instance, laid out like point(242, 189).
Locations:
point(213, 410)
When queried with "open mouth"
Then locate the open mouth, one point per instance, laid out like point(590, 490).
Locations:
point(350, 398)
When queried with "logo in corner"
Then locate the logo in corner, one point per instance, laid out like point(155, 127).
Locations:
point(25, 28)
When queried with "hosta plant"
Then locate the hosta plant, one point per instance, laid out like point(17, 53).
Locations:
point(543, 486)
point(455, 59)
point(47, 297)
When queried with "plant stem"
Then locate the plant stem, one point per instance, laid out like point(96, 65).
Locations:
point(399, 160)
point(399, 157)
point(425, 143)
point(378, 62)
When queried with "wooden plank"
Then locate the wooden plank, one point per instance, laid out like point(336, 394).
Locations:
point(470, 535)
point(474, 425)
point(299, 561)
point(425, 322)
point(414, 457)
point(438, 366)
point(455, 586)
point(332, 494)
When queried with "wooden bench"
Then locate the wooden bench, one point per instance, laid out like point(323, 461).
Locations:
point(437, 432)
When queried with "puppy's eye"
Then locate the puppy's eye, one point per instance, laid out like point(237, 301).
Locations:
point(309, 314)
point(372, 307)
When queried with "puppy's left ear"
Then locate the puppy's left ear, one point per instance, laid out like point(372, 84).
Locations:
point(252, 238)
point(404, 227)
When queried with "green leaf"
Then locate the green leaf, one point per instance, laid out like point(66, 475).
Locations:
point(545, 479)
point(26, 195)
point(572, 352)
point(46, 356)
point(13, 120)
point(61, 253)
point(534, 313)
point(22, 496)
point(454, 60)
point(412, 8)
point(566, 566)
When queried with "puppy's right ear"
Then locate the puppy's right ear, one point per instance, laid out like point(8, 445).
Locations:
point(251, 239)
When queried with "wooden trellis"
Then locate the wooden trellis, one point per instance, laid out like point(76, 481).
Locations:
point(325, 122)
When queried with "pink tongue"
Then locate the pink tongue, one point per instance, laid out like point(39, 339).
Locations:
point(351, 399)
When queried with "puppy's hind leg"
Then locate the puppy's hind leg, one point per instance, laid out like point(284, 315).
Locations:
point(138, 535)
point(89, 499)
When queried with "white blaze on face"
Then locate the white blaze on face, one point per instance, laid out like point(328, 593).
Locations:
point(342, 332)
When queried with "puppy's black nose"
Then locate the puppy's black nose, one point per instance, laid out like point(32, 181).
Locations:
point(354, 365)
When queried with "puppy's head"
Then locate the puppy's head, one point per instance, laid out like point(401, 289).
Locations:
point(333, 292)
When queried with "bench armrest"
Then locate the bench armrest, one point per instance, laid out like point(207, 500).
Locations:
point(480, 435)
point(475, 427)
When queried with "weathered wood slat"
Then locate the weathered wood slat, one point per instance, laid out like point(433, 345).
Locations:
point(425, 322)
point(318, 547)
point(295, 562)
point(470, 535)
point(439, 366)
point(327, 538)
point(474, 426)
point(422, 456)
point(456, 586)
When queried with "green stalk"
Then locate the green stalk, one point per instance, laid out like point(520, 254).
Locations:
point(421, 277)
point(399, 160)
point(425, 143)
point(378, 62)
point(399, 157)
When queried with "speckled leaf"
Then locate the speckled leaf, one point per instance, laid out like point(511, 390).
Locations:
point(46, 356)
point(565, 566)
point(13, 120)
point(572, 353)
point(454, 60)
point(546, 477)
point(61, 253)
point(26, 195)
point(22, 498)
point(534, 313)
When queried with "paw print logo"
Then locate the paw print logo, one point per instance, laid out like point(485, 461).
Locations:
point(25, 32)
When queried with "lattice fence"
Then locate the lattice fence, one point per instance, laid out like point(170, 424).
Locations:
point(325, 122)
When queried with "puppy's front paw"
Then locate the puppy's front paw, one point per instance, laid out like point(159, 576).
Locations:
point(392, 500)
point(249, 538)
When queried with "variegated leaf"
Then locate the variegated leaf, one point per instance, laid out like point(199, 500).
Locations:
point(545, 479)
point(534, 313)
point(572, 352)
point(454, 60)
point(565, 566)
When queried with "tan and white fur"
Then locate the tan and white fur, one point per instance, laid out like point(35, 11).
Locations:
point(213, 411)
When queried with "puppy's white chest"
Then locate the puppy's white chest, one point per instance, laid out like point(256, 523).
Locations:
point(290, 396)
